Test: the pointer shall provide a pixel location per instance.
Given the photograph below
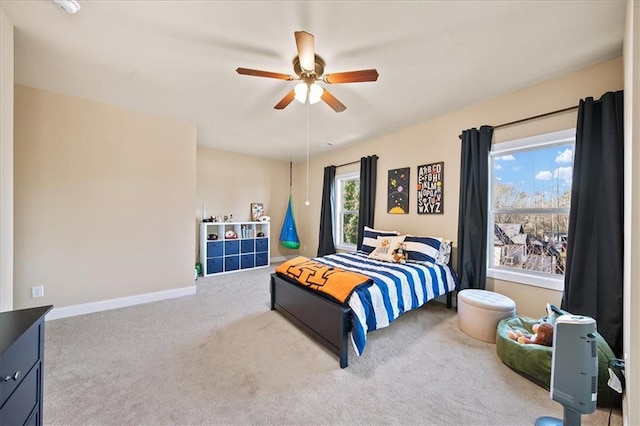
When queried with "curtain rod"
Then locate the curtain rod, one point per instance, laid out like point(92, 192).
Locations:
point(546, 114)
point(348, 164)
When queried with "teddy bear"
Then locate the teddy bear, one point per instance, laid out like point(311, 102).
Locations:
point(400, 253)
point(543, 335)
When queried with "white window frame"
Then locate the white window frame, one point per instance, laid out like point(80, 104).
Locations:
point(338, 212)
point(533, 278)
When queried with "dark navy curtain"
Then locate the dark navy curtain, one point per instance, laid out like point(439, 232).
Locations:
point(593, 277)
point(472, 213)
point(368, 177)
point(325, 239)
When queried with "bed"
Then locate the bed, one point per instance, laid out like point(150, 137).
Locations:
point(390, 290)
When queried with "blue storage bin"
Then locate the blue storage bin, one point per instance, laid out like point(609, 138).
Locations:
point(247, 246)
point(247, 261)
point(214, 248)
point(262, 259)
point(231, 263)
point(262, 244)
point(231, 247)
point(214, 265)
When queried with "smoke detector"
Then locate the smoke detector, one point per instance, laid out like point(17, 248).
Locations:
point(69, 6)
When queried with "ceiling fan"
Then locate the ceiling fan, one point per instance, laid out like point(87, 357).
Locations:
point(309, 68)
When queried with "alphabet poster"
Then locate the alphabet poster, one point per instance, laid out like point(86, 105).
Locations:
point(431, 188)
point(398, 195)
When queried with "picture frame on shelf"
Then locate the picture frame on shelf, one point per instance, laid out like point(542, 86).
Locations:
point(257, 211)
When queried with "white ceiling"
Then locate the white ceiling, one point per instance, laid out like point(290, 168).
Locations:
point(178, 58)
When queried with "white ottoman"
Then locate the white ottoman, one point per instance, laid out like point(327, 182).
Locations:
point(480, 311)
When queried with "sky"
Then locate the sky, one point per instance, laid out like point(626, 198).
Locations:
point(540, 170)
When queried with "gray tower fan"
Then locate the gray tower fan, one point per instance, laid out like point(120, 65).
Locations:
point(574, 369)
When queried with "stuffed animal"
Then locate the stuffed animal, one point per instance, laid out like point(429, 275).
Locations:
point(543, 335)
point(400, 253)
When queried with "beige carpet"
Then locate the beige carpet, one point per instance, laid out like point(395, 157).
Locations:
point(222, 357)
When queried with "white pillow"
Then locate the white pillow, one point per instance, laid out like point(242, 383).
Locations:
point(385, 246)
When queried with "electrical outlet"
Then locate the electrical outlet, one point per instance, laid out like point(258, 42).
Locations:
point(37, 291)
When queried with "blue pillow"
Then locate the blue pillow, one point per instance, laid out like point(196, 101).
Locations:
point(422, 249)
point(370, 238)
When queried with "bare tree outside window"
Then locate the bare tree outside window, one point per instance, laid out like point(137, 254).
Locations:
point(531, 196)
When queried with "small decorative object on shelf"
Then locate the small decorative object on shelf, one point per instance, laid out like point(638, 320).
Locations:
point(257, 211)
point(208, 220)
point(212, 237)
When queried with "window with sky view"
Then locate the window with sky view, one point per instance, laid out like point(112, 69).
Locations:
point(530, 196)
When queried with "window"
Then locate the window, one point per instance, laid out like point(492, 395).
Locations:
point(529, 200)
point(346, 211)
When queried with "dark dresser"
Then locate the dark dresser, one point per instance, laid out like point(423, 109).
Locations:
point(21, 363)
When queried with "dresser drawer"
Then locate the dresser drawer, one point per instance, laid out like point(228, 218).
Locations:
point(17, 410)
point(20, 357)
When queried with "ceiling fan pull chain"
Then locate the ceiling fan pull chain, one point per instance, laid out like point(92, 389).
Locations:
point(306, 203)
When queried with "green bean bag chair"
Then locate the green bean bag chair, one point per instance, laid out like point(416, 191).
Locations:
point(534, 361)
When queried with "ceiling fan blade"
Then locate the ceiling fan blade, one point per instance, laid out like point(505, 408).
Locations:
point(284, 102)
point(332, 101)
point(351, 76)
point(306, 50)
point(269, 74)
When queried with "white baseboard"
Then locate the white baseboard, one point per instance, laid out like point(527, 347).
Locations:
point(105, 305)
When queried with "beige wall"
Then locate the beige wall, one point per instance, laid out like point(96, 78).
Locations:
point(6, 163)
point(437, 140)
point(103, 200)
point(631, 408)
point(228, 183)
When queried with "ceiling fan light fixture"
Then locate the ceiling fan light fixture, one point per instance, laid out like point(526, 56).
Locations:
point(315, 93)
point(69, 6)
point(301, 90)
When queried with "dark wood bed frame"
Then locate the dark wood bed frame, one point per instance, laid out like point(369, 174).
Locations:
point(326, 321)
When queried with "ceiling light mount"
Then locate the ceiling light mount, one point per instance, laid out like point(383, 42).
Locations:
point(308, 89)
point(306, 75)
point(69, 6)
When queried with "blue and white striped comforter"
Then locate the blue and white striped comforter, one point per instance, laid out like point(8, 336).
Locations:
point(396, 288)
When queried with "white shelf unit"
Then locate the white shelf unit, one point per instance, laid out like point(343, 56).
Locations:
point(250, 249)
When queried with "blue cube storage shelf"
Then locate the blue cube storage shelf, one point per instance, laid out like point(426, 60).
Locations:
point(233, 246)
